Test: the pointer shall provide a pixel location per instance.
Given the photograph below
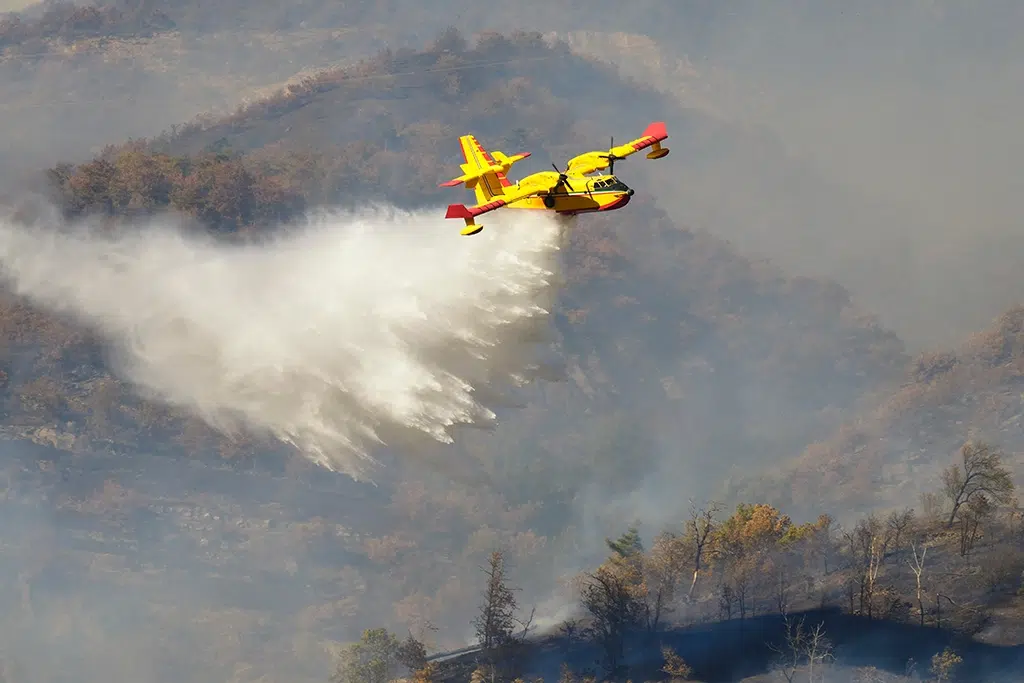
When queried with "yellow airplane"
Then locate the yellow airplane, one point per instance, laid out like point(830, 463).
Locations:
point(567, 192)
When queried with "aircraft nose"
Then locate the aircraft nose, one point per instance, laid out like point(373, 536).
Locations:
point(629, 192)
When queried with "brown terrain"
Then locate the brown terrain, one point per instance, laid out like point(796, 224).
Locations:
point(140, 543)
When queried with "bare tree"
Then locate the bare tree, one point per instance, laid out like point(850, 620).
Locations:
point(898, 523)
point(868, 542)
point(726, 598)
point(802, 647)
point(782, 587)
point(699, 531)
point(918, 567)
point(818, 651)
point(980, 475)
point(570, 630)
point(789, 655)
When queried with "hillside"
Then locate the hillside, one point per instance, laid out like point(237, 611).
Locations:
point(705, 321)
point(889, 452)
point(916, 595)
point(683, 355)
point(827, 160)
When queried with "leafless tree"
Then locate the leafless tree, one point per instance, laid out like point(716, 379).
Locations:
point(699, 530)
point(868, 544)
point(782, 587)
point(818, 651)
point(570, 628)
point(898, 523)
point(918, 567)
point(801, 646)
point(980, 475)
point(789, 655)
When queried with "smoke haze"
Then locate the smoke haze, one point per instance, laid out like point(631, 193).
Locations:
point(350, 330)
point(905, 119)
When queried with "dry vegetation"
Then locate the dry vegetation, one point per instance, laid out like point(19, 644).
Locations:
point(889, 453)
point(945, 575)
point(66, 21)
point(667, 332)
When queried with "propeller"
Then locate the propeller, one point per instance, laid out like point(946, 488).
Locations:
point(611, 157)
point(562, 179)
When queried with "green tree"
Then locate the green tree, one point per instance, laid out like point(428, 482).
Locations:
point(374, 659)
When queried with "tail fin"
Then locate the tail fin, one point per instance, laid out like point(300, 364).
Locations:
point(484, 174)
point(463, 212)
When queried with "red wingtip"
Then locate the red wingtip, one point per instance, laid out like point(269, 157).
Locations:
point(656, 130)
point(451, 183)
point(524, 154)
point(458, 211)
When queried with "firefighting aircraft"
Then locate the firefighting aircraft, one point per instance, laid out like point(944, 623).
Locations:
point(567, 192)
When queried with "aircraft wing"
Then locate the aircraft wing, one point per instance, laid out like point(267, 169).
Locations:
point(512, 194)
point(598, 160)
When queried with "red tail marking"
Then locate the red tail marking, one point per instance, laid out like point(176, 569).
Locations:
point(463, 211)
point(458, 211)
point(656, 132)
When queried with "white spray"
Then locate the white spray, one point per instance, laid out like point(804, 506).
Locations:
point(352, 329)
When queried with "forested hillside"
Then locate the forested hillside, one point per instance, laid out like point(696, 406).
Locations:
point(889, 453)
point(917, 594)
point(808, 101)
point(682, 305)
point(684, 358)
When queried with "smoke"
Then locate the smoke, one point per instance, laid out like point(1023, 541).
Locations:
point(910, 183)
point(345, 332)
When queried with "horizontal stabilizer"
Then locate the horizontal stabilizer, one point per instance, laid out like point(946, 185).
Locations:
point(472, 173)
point(656, 130)
point(458, 211)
